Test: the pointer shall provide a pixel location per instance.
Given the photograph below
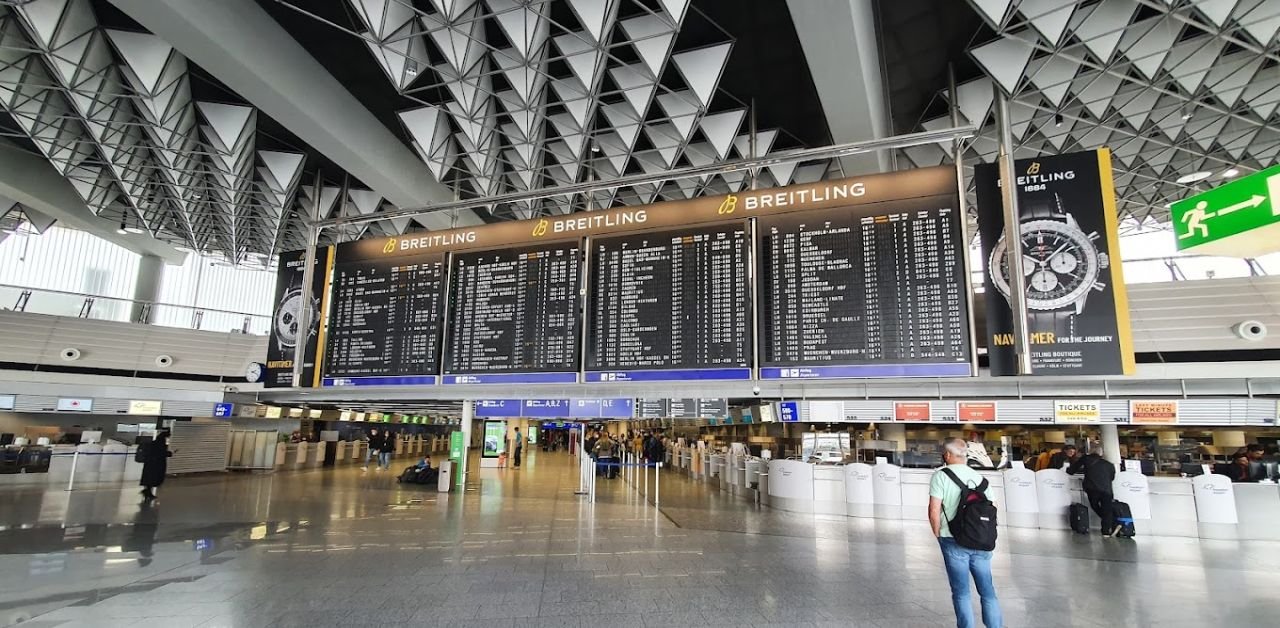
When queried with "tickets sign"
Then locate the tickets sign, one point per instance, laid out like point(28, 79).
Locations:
point(976, 411)
point(1076, 411)
point(1153, 412)
point(912, 411)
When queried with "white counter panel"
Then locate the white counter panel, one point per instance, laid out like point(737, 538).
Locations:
point(791, 485)
point(915, 494)
point(1215, 506)
point(1021, 508)
point(887, 487)
point(1053, 495)
point(828, 490)
point(1173, 507)
point(860, 498)
point(1258, 511)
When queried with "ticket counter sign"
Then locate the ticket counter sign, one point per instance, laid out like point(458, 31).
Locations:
point(1075, 411)
point(1239, 219)
point(145, 407)
point(1153, 412)
point(913, 411)
point(976, 411)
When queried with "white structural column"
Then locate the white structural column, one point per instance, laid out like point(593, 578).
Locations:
point(468, 415)
point(840, 43)
point(1111, 443)
point(30, 179)
point(146, 286)
point(241, 45)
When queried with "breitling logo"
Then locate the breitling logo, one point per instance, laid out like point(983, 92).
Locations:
point(540, 229)
point(1034, 168)
point(728, 206)
point(390, 246)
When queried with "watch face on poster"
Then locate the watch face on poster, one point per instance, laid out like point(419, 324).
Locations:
point(287, 316)
point(1061, 263)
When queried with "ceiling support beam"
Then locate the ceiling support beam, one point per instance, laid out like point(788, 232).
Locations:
point(31, 180)
point(841, 44)
point(244, 47)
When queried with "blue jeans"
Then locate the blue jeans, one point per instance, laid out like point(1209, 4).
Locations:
point(384, 459)
point(962, 562)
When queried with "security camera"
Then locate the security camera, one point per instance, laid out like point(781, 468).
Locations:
point(1250, 330)
point(755, 390)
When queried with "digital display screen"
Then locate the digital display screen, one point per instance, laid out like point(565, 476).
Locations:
point(386, 317)
point(515, 310)
point(876, 290)
point(671, 300)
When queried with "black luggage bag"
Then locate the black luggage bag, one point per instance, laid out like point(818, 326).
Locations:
point(1124, 519)
point(1078, 516)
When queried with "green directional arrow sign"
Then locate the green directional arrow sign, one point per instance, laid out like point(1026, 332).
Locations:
point(1239, 219)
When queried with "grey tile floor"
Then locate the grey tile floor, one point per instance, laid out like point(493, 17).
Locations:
point(519, 548)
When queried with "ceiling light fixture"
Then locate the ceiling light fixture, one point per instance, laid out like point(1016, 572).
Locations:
point(1188, 111)
point(595, 148)
point(121, 229)
point(1194, 177)
point(1230, 173)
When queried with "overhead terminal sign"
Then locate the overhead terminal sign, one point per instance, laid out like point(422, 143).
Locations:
point(1239, 219)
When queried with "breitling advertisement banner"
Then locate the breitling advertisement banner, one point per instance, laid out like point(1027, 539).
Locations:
point(285, 333)
point(1078, 311)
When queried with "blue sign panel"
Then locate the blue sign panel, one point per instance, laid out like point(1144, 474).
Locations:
point(498, 408)
point(669, 376)
point(746, 417)
point(406, 380)
point(222, 410)
point(867, 370)
point(789, 411)
point(545, 408)
point(584, 408)
point(617, 408)
point(513, 378)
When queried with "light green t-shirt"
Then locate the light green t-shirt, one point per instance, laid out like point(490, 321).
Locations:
point(946, 490)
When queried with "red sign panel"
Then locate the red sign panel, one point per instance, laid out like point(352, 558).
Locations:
point(975, 411)
point(912, 411)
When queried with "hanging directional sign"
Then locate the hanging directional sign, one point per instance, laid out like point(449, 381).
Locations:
point(1239, 219)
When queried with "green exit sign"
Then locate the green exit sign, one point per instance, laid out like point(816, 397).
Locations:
point(1239, 219)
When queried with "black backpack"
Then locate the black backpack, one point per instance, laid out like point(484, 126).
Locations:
point(974, 525)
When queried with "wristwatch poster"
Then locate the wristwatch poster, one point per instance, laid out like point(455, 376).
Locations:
point(1077, 307)
point(289, 306)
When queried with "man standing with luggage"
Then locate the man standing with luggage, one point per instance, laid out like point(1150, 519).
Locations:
point(961, 562)
point(1098, 476)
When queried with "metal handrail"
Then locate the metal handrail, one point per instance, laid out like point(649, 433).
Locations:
point(152, 304)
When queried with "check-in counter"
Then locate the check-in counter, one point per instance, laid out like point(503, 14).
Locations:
point(791, 485)
point(340, 452)
point(886, 483)
point(752, 473)
point(1053, 496)
point(111, 469)
point(828, 490)
point(1258, 511)
point(315, 455)
point(1173, 507)
point(1216, 516)
point(859, 490)
point(915, 493)
point(1020, 508)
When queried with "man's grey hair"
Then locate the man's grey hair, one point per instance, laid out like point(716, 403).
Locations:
point(956, 447)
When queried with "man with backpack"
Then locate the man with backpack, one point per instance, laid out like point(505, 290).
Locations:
point(1098, 476)
point(964, 521)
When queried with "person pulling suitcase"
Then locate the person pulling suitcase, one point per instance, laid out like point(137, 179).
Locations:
point(1098, 476)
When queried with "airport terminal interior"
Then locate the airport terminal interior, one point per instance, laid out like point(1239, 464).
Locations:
point(647, 313)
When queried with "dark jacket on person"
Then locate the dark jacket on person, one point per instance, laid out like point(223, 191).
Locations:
point(383, 442)
point(1098, 473)
point(1059, 460)
point(155, 462)
point(1248, 473)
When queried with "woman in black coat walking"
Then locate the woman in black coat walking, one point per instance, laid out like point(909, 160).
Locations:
point(155, 463)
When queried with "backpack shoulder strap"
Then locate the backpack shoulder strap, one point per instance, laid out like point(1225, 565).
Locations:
point(954, 478)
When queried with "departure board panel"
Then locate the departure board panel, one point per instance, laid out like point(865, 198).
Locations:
point(386, 319)
point(671, 305)
point(514, 315)
point(876, 290)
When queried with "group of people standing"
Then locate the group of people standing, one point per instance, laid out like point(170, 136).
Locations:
point(382, 443)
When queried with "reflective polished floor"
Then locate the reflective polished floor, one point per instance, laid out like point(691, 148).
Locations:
point(520, 548)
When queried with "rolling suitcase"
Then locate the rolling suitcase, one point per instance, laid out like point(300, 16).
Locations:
point(1078, 516)
point(1124, 519)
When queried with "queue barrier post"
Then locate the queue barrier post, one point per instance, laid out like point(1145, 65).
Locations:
point(71, 481)
point(657, 489)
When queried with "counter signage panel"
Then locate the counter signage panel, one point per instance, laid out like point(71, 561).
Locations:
point(975, 411)
point(386, 319)
point(867, 291)
point(498, 408)
point(223, 410)
point(652, 408)
point(713, 407)
point(545, 408)
point(513, 316)
point(789, 411)
point(689, 408)
point(915, 411)
point(671, 305)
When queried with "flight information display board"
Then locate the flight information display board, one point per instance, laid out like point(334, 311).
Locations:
point(514, 316)
point(671, 305)
point(876, 290)
point(385, 320)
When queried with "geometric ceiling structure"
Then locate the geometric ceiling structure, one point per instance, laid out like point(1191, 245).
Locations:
point(517, 95)
point(112, 111)
point(1173, 87)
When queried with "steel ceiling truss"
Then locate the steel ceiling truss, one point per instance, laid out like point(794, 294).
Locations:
point(113, 112)
point(514, 99)
point(1173, 87)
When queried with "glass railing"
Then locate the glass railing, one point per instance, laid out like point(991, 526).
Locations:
point(97, 307)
